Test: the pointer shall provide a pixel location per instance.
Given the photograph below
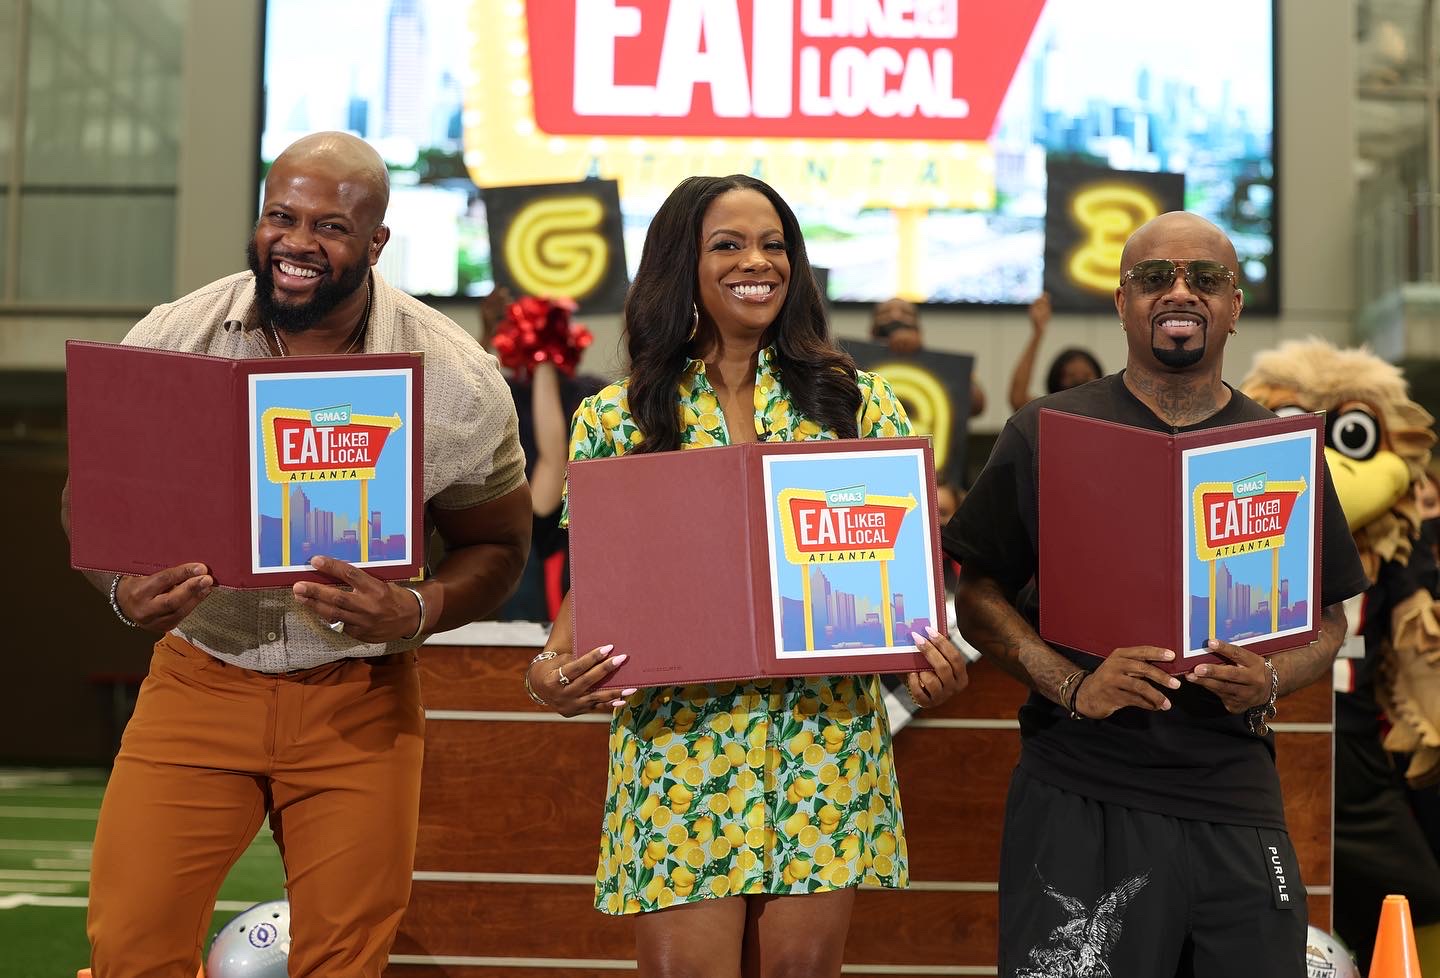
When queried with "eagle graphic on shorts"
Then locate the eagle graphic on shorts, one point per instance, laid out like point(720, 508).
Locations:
point(1081, 947)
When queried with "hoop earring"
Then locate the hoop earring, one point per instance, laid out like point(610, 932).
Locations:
point(694, 322)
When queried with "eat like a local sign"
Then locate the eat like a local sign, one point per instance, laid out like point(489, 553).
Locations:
point(852, 69)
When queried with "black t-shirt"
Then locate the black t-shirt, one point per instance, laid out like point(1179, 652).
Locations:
point(1192, 761)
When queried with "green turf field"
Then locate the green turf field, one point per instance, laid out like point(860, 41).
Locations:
point(47, 822)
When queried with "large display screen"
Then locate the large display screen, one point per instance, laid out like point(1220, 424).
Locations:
point(910, 136)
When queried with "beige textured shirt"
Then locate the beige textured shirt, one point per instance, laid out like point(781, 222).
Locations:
point(472, 452)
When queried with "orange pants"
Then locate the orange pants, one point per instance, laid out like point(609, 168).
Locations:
point(331, 754)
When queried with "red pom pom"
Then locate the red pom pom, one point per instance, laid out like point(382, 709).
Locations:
point(536, 331)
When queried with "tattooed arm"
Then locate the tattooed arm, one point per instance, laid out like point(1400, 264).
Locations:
point(1125, 677)
point(1300, 667)
point(990, 623)
point(992, 539)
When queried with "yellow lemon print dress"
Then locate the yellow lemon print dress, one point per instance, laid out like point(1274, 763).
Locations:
point(775, 786)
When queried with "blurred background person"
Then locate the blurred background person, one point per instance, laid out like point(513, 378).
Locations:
point(546, 394)
point(896, 323)
point(1071, 367)
point(947, 500)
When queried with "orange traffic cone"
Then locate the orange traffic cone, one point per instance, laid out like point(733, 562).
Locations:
point(1395, 955)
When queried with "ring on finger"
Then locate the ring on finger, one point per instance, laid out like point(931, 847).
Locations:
point(338, 627)
point(561, 677)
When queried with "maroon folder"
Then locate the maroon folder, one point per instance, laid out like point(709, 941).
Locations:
point(168, 463)
point(706, 565)
point(1148, 538)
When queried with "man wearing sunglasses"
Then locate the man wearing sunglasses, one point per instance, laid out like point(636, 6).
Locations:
point(1144, 833)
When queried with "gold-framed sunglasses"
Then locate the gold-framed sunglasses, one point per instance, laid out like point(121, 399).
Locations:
point(1156, 275)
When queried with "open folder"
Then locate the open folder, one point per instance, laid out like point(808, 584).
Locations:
point(250, 467)
point(764, 559)
point(1170, 540)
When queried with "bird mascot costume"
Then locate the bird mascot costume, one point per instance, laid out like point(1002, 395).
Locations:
point(1387, 709)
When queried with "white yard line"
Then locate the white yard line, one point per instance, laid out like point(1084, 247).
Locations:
point(50, 875)
point(11, 777)
point(35, 900)
point(42, 845)
point(27, 887)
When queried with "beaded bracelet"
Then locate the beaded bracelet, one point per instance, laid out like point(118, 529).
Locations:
point(115, 602)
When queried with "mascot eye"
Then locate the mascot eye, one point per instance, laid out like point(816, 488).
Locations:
point(1288, 411)
point(1355, 434)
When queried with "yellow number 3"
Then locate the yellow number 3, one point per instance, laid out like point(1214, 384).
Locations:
point(1109, 213)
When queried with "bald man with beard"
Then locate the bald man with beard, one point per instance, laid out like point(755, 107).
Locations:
point(1144, 832)
point(302, 704)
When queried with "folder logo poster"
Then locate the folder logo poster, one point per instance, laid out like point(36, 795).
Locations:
point(850, 552)
point(1249, 526)
point(330, 468)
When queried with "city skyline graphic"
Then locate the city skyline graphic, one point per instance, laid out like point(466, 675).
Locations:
point(847, 602)
point(325, 516)
point(1242, 611)
point(316, 532)
point(1243, 583)
point(847, 621)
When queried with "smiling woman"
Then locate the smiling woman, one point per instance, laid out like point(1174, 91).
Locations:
point(748, 811)
point(727, 254)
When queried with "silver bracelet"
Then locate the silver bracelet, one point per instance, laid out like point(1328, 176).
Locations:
point(415, 590)
point(115, 601)
point(530, 690)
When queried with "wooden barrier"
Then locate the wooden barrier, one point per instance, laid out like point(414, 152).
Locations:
point(510, 828)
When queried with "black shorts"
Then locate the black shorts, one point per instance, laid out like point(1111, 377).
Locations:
point(1095, 890)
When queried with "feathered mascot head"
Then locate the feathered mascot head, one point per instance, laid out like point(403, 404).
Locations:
point(1377, 440)
point(1377, 444)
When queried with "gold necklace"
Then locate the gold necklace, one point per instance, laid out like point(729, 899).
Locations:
point(354, 337)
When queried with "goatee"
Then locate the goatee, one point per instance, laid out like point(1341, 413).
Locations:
point(298, 317)
point(1177, 357)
